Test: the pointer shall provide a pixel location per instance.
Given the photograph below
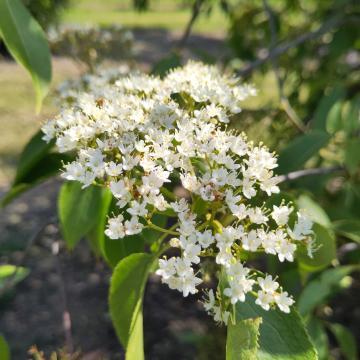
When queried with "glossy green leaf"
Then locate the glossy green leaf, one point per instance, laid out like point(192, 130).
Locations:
point(325, 253)
point(125, 300)
point(319, 337)
point(242, 340)
point(325, 105)
point(322, 287)
point(4, 349)
point(96, 235)
point(78, 210)
point(282, 336)
point(346, 341)
point(300, 150)
point(27, 43)
point(348, 228)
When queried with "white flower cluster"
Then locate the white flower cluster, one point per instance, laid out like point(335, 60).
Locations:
point(143, 135)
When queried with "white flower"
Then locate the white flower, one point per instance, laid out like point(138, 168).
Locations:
point(281, 214)
point(264, 299)
point(283, 301)
point(268, 284)
point(138, 209)
point(205, 238)
point(251, 241)
point(115, 228)
point(166, 268)
point(133, 226)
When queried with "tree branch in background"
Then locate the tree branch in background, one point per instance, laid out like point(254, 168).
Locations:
point(284, 101)
point(308, 172)
point(286, 45)
point(194, 15)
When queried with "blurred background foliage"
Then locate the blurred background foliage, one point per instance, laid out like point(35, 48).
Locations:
point(304, 58)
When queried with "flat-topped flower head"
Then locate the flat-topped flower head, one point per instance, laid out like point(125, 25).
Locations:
point(141, 136)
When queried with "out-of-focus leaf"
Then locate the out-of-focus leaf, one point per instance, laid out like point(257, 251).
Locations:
point(163, 66)
point(325, 253)
point(78, 210)
point(27, 43)
point(313, 210)
point(4, 349)
point(351, 115)
point(11, 274)
point(301, 149)
point(13, 193)
point(326, 103)
point(282, 336)
point(334, 120)
point(346, 341)
point(319, 337)
point(352, 155)
point(242, 340)
point(126, 299)
point(348, 228)
point(34, 151)
point(320, 289)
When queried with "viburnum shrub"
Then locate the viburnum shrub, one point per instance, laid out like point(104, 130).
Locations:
point(143, 138)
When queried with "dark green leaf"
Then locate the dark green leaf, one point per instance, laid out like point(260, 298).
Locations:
point(126, 299)
point(334, 118)
point(319, 337)
point(34, 151)
point(352, 155)
point(78, 210)
point(348, 228)
point(346, 341)
point(282, 336)
point(27, 43)
point(321, 288)
point(351, 116)
point(242, 340)
point(326, 103)
point(301, 149)
point(325, 245)
point(13, 193)
point(163, 66)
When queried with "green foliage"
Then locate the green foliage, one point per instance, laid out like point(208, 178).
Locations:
point(78, 209)
point(26, 42)
point(348, 228)
point(282, 336)
point(242, 340)
point(4, 349)
point(325, 250)
point(319, 337)
point(346, 340)
point(301, 149)
point(321, 288)
point(164, 65)
point(125, 301)
point(10, 275)
point(352, 155)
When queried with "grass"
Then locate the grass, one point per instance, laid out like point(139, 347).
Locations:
point(165, 14)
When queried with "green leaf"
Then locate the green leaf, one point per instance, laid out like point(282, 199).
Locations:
point(78, 210)
point(163, 66)
point(326, 103)
point(151, 235)
point(325, 245)
point(314, 210)
point(34, 151)
point(12, 275)
point(96, 235)
point(352, 155)
point(319, 337)
point(348, 228)
point(334, 118)
point(300, 150)
point(282, 336)
point(4, 349)
point(126, 299)
point(13, 193)
point(346, 341)
point(351, 118)
point(27, 43)
point(321, 288)
point(242, 340)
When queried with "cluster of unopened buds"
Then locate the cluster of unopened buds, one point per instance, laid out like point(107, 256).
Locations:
point(142, 136)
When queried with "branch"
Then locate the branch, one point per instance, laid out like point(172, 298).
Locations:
point(286, 45)
point(284, 101)
point(308, 172)
point(194, 15)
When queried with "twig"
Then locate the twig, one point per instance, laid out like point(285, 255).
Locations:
point(194, 15)
point(284, 101)
point(286, 45)
point(308, 172)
